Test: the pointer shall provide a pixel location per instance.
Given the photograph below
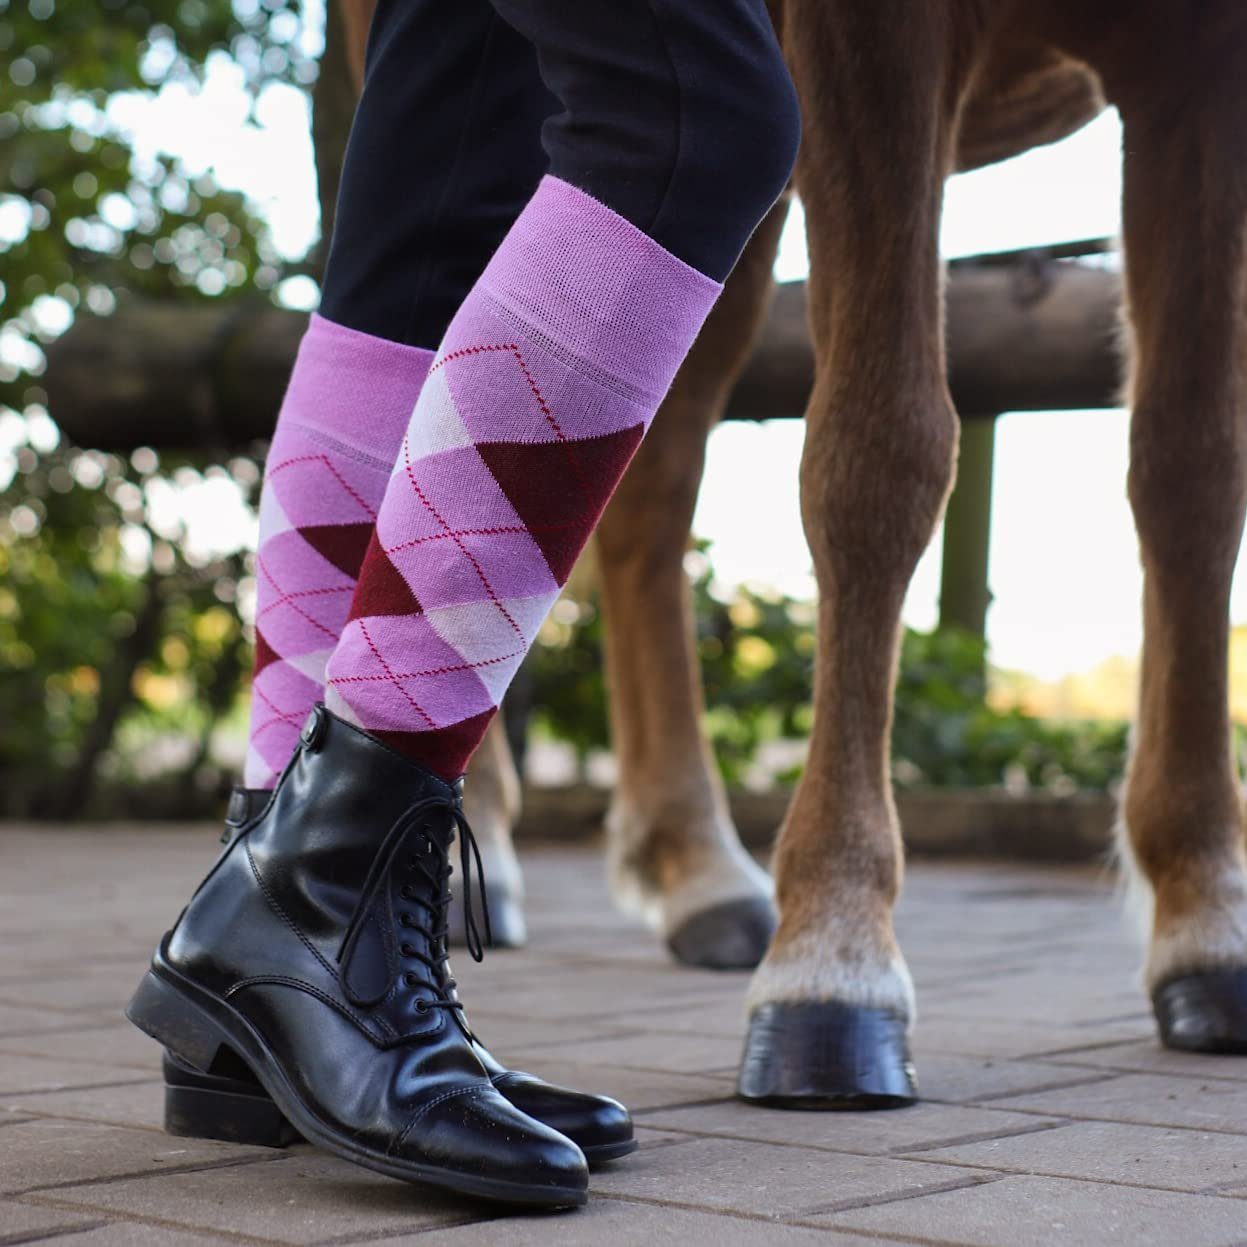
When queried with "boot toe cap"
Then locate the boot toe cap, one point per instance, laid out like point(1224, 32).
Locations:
point(592, 1121)
point(478, 1134)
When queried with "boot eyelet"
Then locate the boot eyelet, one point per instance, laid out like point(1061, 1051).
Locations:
point(411, 980)
point(422, 1006)
point(406, 950)
point(404, 920)
point(406, 892)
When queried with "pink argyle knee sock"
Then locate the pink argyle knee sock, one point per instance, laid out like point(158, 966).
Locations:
point(540, 394)
point(340, 428)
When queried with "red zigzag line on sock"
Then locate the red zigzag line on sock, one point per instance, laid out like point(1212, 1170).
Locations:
point(480, 571)
point(385, 666)
point(564, 441)
point(337, 476)
point(514, 348)
point(301, 593)
point(470, 350)
point(411, 675)
point(500, 531)
point(285, 599)
point(279, 716)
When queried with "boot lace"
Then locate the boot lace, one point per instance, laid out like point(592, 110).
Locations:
point(432, 864)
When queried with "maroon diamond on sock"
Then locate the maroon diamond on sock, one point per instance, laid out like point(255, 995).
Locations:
point(264, 653)
point(344, 545)
point(381, 589)
point(444, 751)
point(542, 481)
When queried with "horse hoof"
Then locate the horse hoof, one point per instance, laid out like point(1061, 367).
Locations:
point(731, 936)
point(1204, 1012)
point(506, 921)
point(826, 1055)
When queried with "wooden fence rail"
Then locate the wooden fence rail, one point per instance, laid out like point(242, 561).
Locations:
point(1029, 330)
point(1029, 333)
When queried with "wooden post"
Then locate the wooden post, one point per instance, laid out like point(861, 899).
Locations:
point(964, 593)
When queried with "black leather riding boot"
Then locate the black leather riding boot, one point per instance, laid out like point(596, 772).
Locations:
point(233, 1105)
point(313, 955)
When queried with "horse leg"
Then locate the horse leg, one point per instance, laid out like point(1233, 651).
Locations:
point(879, 80)
point(1185, 221)
point(491, 803)
point(671, 843)
point(673, 852)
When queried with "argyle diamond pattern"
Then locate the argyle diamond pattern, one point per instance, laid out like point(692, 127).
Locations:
point(331, 456)
point(506, 467)
point(317, 515)
point(540, 393)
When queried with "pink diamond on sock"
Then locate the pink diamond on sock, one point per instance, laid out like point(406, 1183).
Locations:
point(405, 675)
point(316, 487)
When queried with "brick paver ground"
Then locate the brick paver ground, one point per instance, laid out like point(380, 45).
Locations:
point(1050, 1115)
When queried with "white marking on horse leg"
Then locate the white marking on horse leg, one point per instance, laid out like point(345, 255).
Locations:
point(1212, 935)
point(715, 869)
point(726, 875)
point(842, 961)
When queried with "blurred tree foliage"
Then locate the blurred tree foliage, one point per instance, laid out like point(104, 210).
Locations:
point(107, 619)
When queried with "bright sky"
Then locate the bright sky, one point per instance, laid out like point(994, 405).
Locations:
point(1064, 567)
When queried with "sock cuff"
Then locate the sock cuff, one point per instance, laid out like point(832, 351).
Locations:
point(599, 288)
point(355, 388)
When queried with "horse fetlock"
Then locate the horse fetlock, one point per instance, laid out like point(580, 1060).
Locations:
point(656, 858)
point(1198, 928)
point(1190, 908)
point(693, 882)
point(844, 962)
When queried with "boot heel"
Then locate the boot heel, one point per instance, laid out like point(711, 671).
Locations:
point(201, 1114)
point(225, 1104)
point(166, 1015)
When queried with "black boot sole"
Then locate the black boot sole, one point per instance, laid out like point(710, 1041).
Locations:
point(237, 1110)
point(225, 1109)
point(604, 1152)
point(195, 1025)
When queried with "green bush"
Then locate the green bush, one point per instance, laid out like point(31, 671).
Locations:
point(756, 654)
point(945, 734)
